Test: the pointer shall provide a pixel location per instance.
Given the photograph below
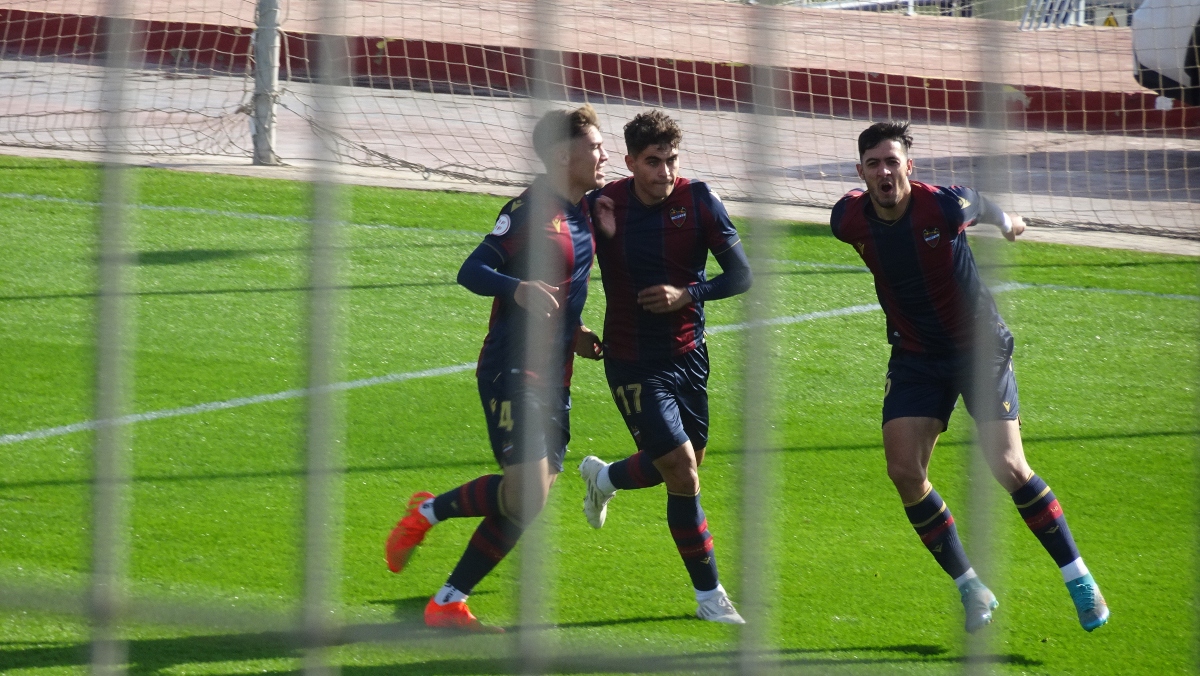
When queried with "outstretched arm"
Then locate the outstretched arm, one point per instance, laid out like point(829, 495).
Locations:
point(1011, 225)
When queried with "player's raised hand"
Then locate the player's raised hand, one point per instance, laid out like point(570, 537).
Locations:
point(1018, 227)
point(604, 216)
point(587, 344)
point(537, 297)
point(664, 298)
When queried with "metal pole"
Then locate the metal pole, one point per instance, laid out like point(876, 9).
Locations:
point(266, 80)
point(322, 504)
point(110, 488)
point(541, 356)
point(757, 407)
point(982, 505)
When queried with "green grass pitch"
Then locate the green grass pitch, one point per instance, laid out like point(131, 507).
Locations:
point(1106, 358)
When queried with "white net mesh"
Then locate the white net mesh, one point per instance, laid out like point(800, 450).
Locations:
point(440, 88)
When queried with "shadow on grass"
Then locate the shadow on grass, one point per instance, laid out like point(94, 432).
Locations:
point(159, 655)
point(484, 461)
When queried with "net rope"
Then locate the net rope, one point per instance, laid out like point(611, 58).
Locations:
point(440, 90)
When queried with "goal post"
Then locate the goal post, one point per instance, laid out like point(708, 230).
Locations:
point(266, 81)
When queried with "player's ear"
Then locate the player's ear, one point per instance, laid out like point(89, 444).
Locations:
point(858, 168)
point(908, 166)
point(629, 163)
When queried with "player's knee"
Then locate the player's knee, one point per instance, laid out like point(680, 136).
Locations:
point(905, 475)
point(678, 469)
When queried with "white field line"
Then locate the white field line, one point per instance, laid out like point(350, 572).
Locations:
point(229, 403)
point(1012, 286)
point(445, 370)
point(355, 384)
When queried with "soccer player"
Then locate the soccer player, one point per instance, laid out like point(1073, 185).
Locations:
point(912, 236)
point(656, 230)
point(570, 146)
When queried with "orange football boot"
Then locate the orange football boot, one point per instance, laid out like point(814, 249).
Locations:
point(456, 616)
point(408, 533)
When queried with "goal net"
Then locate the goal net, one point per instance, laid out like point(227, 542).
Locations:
point(443, 89)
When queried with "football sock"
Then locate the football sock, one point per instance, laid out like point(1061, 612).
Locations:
point(636, 471)
point(933, 522)
point(493, 540)
point(1074, 570)
point(480, 497)
point(448, 594)
point(689, 529)
point(604, 482)
point(1042, 513)
point(965, 578)
point(702, 596)
point(429, 513)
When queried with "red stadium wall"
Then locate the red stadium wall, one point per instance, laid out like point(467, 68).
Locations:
point(480, 69)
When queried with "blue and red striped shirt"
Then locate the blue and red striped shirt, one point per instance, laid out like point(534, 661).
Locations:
point(502, 261)
point(925, 274)
point(667, 243)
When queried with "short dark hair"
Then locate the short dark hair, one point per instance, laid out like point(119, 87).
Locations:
point(557, 126)
point(652, 128)
point(884, 131)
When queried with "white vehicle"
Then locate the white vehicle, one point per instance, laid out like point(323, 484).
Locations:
point(1166, 48)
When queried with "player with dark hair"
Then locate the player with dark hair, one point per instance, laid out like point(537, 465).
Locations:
point(656, 231)
point(513, 396)
point(912, 236)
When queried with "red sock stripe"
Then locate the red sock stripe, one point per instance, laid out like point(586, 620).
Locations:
point(489, 550)
point(1047, 516)
point(491, 540)
point(634, 467)
point(481, 485)
point(695, 551)
point(934, 534)
point(691, 531)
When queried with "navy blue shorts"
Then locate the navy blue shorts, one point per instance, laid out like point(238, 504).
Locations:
point(664, 402)
point(508, 404)
point(928, 386)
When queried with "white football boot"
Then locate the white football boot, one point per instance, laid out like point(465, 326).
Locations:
point(719, 609)
point(595, 502)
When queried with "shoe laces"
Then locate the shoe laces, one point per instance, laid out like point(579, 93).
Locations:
point(1085, 594)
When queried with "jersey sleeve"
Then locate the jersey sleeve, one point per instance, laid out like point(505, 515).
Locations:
point(506, 234)
point(483, 271)
point(719, 233)
point(838, 214)
point(975, 207)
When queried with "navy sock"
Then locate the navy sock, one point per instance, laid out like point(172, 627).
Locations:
point(493, 540)
point(636, 471)
point(689, 529)
point(1042, 513)
point(932, 520)
point(480, 497)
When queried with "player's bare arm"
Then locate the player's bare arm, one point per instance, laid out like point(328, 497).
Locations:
point(536, 297)
point(588, 344)
point(1014, 227)
point(604, 217)
point(664, 298)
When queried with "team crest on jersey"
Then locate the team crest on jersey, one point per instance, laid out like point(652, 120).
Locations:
point(557, 223)
point(861, 246)
point(932, 236)
point(678, 215)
